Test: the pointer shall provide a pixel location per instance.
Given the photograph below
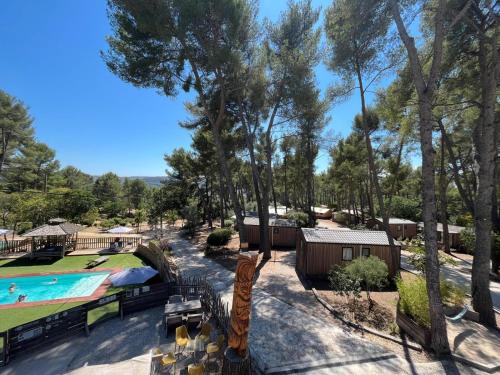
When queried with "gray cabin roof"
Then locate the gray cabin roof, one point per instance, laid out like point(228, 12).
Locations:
point(351, 237)
point(451, 228)
point(272, 222)
point(396, 220)
point(62, 229)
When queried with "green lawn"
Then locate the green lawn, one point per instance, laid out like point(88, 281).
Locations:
point(11, 267)
point(14, 317)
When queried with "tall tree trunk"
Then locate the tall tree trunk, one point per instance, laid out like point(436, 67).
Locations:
point(464, 192)
point(221, 198)
point(425, 91)
point(484, 140)
point(257, 183)
point(395, 261)
point(443, 186)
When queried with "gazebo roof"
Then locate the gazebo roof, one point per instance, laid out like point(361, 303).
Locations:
point(60, 229)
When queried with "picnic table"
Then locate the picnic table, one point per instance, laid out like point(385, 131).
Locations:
point(182, 307)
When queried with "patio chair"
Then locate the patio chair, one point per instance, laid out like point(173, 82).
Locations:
point(196, 369)
point(215, 347)
point(167, 361)
point(176, 298)
point(204, 334)
point(171, 320)
point(193, 318)
point(181, 337)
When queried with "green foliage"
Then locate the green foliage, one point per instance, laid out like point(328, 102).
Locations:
point(371, 272)
point(417, 256)
point(468, 239)
point(300, 218)
point(15, 127)
point(192, 216)
point(171, 216)
point(90, 217)
point(414, 301)
point(219, 237)
point(342, 283)
point(465, 220)
point(107, 190)
point(406, 208)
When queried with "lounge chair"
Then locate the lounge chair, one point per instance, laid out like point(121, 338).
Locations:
point(96, 262)
point(166, 360)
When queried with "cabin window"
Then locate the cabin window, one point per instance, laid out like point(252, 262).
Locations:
point(399, 227)
point(276, 230)
point(347, 253)
point(365, 251)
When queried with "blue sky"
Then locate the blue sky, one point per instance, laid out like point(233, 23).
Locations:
point(49, 58)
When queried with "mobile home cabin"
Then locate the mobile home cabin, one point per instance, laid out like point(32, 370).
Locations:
point(322, 212)
point(282, 232)
point(319, 249)
point(453, 233)
point(399, 228)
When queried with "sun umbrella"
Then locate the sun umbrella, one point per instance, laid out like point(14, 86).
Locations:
point(117, 230)
point(136, 275)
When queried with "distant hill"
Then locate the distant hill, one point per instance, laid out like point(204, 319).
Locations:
point(149, 180)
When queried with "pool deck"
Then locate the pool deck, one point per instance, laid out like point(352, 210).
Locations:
point(98, 293)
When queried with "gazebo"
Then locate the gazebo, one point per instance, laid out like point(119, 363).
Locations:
point(54, 239)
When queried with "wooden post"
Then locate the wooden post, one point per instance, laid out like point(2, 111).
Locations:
point(236, 358)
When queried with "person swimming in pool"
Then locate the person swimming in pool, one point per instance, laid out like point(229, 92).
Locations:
point(22, 298)
point(12, 288)
point(54, 281)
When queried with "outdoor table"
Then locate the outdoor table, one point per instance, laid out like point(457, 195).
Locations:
point(182, 307)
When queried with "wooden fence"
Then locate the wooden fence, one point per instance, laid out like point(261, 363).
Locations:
point(24, 245)
point(105, 242)
point(46, 330)
point(15, 246)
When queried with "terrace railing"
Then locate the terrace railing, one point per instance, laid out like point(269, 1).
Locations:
point(103, 242)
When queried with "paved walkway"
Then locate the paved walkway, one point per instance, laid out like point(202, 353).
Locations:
point(460, 275)
point(286, 339)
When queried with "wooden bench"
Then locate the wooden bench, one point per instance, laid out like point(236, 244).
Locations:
point(96, 262)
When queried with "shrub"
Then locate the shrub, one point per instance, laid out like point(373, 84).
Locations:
point(415, 303)
point(370, 271)
point(417, 256)
point(468, 239)
point(219, 237)
point(228, 223)
point(342, 284)
point(300, 218)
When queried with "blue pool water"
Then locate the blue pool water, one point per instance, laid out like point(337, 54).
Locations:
point(42, 288)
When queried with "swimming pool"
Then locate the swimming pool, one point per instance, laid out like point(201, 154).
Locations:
point(50, 287)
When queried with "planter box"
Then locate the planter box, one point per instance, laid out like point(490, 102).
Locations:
point(420, 334)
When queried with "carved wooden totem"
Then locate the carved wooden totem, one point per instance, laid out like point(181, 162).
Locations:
point(242, 302)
